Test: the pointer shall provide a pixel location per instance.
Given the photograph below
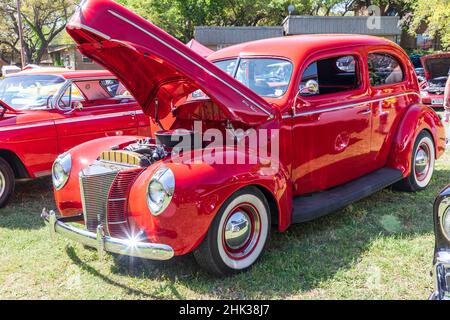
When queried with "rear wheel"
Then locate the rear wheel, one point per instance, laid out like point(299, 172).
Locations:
point(7, 182)
point(422, 164)
point(238, 234)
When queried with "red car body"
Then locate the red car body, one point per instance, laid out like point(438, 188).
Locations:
point(436, 67)
point(31, 139)
point(327, 141)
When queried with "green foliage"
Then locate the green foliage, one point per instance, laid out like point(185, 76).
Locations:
point(43, 20)
point(436, 14)
point(179, 17)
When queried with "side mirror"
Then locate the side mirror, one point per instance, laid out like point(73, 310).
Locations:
point(311, 88)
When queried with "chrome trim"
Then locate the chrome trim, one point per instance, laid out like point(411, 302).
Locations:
point(441, 275)
point(65, 161)
point(192, 61)
point(89, 118)
point(103, 243)
point(165, 177)
point(69, 120)
point(26, 126)
point(346, 106)
point(94, 31)
point(443, 210)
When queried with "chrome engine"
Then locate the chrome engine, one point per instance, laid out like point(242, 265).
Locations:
point(149, 152)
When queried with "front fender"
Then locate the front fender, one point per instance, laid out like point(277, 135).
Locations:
point(68, 199)
point(417, 118)
point(200, 190)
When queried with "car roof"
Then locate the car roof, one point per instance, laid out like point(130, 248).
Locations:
point(295, 47)
point(65, 73)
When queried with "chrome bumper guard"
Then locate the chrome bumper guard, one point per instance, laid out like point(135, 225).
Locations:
point(441, 274)
point(99, 240)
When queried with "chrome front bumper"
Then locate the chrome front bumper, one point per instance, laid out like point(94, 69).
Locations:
point(104, 243)
point(441, 275)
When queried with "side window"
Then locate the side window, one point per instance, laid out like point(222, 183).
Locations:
point(115, 88)
point(331, 75)
point(72, 94)
point(227, 65)
point(384, 69)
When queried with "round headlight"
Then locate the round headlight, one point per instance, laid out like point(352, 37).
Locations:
point(61, 170)
point(444, 215)
point(160, 190)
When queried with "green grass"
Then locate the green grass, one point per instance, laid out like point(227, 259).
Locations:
point(378, 248)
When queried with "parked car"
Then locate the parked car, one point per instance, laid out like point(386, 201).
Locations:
point(437, 67)
point(45, 112)
point(7, 70)
point(420, 72)
point(441, 259)
point(345, 131)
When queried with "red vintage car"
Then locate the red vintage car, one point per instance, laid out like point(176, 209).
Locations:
point(337, 118)
point(437, 68)
point(47, 111)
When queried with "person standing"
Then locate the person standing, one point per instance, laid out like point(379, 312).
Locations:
point(447, 93)
point(447, 108)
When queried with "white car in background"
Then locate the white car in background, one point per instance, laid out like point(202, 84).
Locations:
point(6, 70)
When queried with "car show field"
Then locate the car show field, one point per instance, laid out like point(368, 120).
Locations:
point(141, 162)
point(377, 248)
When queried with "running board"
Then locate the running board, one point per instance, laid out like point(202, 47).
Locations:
point(306, 208)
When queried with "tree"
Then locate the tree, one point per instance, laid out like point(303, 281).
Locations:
point(179, 17)
point(43, 20)
point(436, 15)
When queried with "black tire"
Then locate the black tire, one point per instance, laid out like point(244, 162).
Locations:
point(7, 182)
point(214, 253)
point(415, 181)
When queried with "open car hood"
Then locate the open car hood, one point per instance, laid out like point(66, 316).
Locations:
point(436, 65)
point(157, 69)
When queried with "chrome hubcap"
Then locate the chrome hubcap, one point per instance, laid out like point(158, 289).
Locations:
point(241, 231)
point(422, 162)
point(237, 230)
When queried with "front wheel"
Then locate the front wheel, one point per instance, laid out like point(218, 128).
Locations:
point(422, 164)
point(238, 234)
point(7, 182)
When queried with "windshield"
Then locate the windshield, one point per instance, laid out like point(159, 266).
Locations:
point(29, 91)
point(268, 77)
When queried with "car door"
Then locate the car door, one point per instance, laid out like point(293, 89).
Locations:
point(89, 109)
point(390, 98)
point(332, 122)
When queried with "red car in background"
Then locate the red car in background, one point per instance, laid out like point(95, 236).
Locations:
point(436, 68)
point(45, 112)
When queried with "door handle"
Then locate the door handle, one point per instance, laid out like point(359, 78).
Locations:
point(365, 112)
point(132, 114)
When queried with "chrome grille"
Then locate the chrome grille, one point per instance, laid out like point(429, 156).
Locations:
point(95, 191)
point(117, 215)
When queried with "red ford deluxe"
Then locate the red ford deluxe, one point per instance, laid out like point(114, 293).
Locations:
point(45, 112)
point(337, 118)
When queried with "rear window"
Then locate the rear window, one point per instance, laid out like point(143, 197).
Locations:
point(384, 69)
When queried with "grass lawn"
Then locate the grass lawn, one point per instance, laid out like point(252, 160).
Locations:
point(378, 248)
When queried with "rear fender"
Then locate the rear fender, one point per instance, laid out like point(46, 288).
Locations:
point(417, 118)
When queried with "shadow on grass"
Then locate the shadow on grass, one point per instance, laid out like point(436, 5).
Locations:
point(296, 261)
point(24, 208)
point(307, 254)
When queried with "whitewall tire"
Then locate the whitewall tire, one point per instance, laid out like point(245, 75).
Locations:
point(238, 234)
point(422, 164)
